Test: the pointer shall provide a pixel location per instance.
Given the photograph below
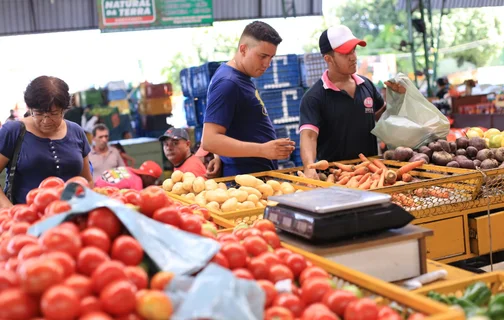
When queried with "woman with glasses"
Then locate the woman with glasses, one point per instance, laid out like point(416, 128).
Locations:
point(51, 146)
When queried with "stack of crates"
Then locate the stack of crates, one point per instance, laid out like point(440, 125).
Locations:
point(155, 107)
point(280, 90)
point(312, 66)
point(194, 82)
point(117, 96)
point(90, 97)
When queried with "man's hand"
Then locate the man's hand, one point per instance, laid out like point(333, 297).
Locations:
point(277, 149)
point(395, 87)
point(214, 168)
point(311, 173)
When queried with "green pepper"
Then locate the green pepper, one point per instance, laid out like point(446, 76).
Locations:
point(439, 297)
point(496, 307)
point(478, 293)
point(470, 309)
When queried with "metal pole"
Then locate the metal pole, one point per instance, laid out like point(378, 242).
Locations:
point(410, 39)
point(426, 50)
point(429, 13)
point(436, 53)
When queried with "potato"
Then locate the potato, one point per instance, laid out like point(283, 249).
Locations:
point(253, 198)
point(246, 180)
point(217, 195)
point(274, 184)
point(266, 190)
point(213, 206)
point(248, 205)
point(250, 190)
point(168, 185)
point(177, 176)
point(190, 196)
point(178, 188)
point(272, 203)
point(200, 199)
point(222, 186)
point(231, 190)
point(198, 185)
point(230, 205)
point(240, 206)
point(259, 205)
point(278, 193)
point(299, 190)
point(188, 184)
point(258, 182)
point(240, 195)
point(403, 154)
point(188, 175)
point(264, 202)
point(287, 188)
point(211, 185)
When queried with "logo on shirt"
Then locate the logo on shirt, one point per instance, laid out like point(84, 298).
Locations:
point(368, 102)
point(264, 111)
point(116, 175)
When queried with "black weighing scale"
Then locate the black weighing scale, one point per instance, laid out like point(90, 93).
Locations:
point(328, 214)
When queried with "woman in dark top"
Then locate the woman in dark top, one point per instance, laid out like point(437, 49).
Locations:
point(51, 146)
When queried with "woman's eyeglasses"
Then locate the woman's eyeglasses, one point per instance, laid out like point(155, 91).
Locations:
point(51, 115)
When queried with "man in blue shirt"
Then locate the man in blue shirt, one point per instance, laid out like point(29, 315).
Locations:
point(237, 126)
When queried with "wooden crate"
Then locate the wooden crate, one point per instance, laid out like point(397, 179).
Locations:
point(448, 239)
point(480, 235)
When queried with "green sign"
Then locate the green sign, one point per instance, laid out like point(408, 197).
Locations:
point(121, 15)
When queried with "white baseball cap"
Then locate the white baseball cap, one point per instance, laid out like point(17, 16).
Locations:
point(339, 39)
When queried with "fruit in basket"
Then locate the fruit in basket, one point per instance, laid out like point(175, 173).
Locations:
point(154, 305)
point(495, 141)
point(474, 132)
point(361, 309)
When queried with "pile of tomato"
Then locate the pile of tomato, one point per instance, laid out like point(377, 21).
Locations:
point(294, 287)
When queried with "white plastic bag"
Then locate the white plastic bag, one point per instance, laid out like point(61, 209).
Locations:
point(410, 120)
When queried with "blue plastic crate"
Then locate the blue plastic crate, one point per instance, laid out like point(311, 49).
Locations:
point(200, 78)
point(195, 111)
point(312, 67)
point(198, 134)
point(283, 73)
point(290, 131)
point(116, 95)
point(283, 105)
point(185, 81)
point(296, 157)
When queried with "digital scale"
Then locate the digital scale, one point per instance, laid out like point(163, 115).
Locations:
point(328, 214)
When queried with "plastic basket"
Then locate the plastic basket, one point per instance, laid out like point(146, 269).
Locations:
point(200, 78)
point(91, 97)
point(122, 105)
point(312, 67)
point(190, 112)
point(283, 105)
point(155, 106)
point(116, 95)
point(162, 90)
point(117, 85)
point(290, 131)
point(185, 81)
point(283, 73)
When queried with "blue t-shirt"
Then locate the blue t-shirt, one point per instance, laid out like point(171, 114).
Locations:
point(234, 103)
point(41, 157)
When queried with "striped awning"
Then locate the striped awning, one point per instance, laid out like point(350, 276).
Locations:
point(452, 4)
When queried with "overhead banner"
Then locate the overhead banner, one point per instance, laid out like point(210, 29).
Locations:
point(127, 15)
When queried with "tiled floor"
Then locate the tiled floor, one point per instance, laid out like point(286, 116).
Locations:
point(496, 267)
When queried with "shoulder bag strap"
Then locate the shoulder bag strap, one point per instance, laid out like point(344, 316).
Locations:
point(13, 163)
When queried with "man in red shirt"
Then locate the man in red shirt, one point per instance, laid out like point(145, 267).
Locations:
point(130, 178)
point(177, 148)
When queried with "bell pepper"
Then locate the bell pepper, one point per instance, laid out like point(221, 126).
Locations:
point(496, 307)
point(478, 293)
point(439, 297)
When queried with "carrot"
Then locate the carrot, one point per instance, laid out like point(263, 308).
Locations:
point(331, 178)
point(365, 178)
point(320, 165)
point(353, 183)
point(336, 172)
point(406, 177)
point(361, 165)
point(438, 193)
point(382, 179)
point(366, 185)
point(374, 185)
point(379, 164)
point(371, 166)
point(363, 158)
point(343, 167)
point(408, 167)
point(362, 170)
point(346, 173)
point(391, 177)
point(343, 181)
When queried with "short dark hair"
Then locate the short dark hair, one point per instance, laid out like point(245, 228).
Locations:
point(44, 92)
point(261, 31)
point(99, 127)
point(441, 82)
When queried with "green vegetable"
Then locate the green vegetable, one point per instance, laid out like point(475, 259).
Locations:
point(439, 297)
point(354, 289)
point(478, 293)
point(496, 307)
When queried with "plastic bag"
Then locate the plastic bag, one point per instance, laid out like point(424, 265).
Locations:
point(215, 293)
point(169, 248)
point(410, 120)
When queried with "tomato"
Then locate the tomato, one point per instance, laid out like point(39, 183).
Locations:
point(168, 215)
point(8, 279)
point(190, 223)
point(80, 180)
point(243, 273)
point(17, 242)
point(36, 275)
point(282, 253)
point(80, 284)
point(296, 262)
point(107, 272)
point(64, 260)
point(44, 198)
point(291, 302)
point(96, 316)
point(251, 232)
point(338, 300)
point(207, 233)
point(258, 268)
point(314, 289)
point(89, 304)
point(127, 250)
point(12, 264)
point(19, 228)
point(203, 212)
point(255, 245)
point(264, 225)
point(362, 309)
point(119, 197)
point(132, 197)
point(416, 316)
point(61, 239)
point(89, 259)
point(272, 239)
point(239, 233)
point(279, 272)
point(221, 260)
point(60, 302)
point(153, 198)
point(4, 254)
point(26, 214)
point(161, 280)
point(312, 272)
point(56, 207)
point(227, 237)
point(269, 290)
point(318, 311)
point(154, 305)
point(235, 254)
point(106, 220)
point(95, 237)
point(270, 258)
point(51, 182)
point(185, 210)
point(30, 196)
point(131, 316)
point(17, 304)
point(138, 277)
point(6, 225)
point(118, 298)
point(387, 313)
point(278, 313)
point(70, 226)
